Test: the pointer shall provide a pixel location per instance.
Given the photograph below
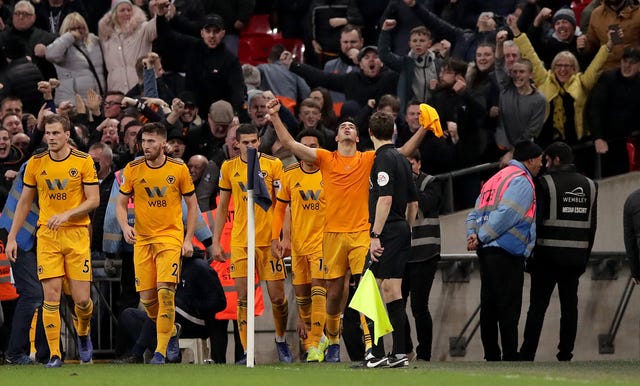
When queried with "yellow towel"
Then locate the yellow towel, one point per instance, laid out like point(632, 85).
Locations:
point(430, 120)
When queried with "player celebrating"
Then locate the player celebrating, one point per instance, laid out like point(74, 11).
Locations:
point(346, 237)
point(302, 191)
point(233, 180)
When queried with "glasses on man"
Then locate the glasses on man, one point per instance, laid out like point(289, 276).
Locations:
point(22, 14)
point(111, 103)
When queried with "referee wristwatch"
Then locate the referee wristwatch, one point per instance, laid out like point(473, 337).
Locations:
point(374, 235)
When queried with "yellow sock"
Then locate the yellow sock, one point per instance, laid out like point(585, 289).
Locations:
point(333, 328)
point(151, 308)
point(84, 318)
point(51, 320)
point(242, 322)
point(318, 314)
point(280, 316)
point(367, 334)
point(32, 333)
point(304, 311)
point(166, 318)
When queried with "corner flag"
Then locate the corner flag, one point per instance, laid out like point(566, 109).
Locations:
point(255, 180)
point(367, 300)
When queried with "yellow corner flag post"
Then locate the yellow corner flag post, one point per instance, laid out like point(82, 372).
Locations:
point(367, 300)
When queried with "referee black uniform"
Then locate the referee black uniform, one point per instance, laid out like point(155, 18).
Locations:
point(391, 176)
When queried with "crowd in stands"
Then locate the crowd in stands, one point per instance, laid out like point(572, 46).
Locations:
point(497, 72)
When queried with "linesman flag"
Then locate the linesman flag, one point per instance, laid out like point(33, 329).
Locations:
point(256, 180)
point(367, 300)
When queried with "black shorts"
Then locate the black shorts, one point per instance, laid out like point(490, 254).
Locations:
point(396, 240)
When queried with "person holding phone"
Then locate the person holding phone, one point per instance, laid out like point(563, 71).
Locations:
point(608, 17)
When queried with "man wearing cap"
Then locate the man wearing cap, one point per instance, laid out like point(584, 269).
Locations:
point(502, 231)
point(613, 112)
point(212, 72)
point(371, 82)
point(236, 14)
point(209, 138)
point(566, 217)
point(551, 32)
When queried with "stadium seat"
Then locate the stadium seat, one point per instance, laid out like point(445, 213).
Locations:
point(288, 103)
point(578, 6)
point(197, 350)
point(254, 48)
point(258, 24)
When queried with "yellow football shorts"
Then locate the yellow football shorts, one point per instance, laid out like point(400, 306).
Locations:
point(64, 252)
point(343, 251)
point(268, 267)
point(156, 263)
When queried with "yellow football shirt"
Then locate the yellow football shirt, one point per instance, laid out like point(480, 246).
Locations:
point(60, 184)
point(157, 194)
point(303, 191)
point(233, 178)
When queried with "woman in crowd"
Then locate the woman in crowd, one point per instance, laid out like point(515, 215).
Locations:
point(125, 35)
point(566, 90)
point(78, 59)
point(322, 96)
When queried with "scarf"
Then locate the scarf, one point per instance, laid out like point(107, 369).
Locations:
point(559, 116)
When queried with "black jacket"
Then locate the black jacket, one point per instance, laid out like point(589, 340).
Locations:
point(30, 38)
point(45, 20)
point(320, 11)
point(613, 108)
point(97, 215)
point(355, 85)
point(212, 74)
point(20, 78)
point(13, 161)
point(464, 41)
point(201, 141)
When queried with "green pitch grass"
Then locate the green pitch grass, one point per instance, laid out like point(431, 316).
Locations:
point(302, 374)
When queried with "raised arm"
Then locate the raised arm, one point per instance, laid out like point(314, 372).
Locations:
point(301, 151)
point(412, 144)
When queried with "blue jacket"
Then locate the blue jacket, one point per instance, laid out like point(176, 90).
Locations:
point(510, 223)
point(26, 234)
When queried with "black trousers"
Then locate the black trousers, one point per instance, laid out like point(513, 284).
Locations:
point(416, 285)
point(502, 278)
point(543, 280)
